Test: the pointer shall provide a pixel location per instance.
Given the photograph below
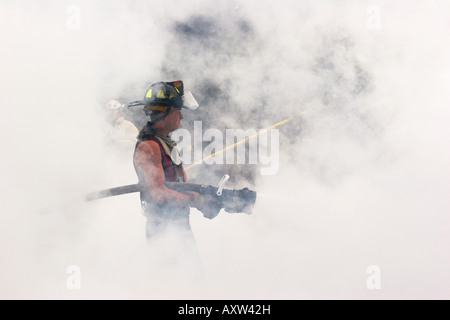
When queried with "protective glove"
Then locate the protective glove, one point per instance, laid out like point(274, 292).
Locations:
point(209, 205)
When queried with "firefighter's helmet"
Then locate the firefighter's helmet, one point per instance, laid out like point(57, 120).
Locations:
point(161, 96)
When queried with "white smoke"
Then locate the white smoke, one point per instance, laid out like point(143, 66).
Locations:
point(363, 176)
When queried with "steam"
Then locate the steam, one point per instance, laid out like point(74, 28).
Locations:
point(363, 177)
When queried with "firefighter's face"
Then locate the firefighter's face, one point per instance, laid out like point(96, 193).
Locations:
point(173, 119)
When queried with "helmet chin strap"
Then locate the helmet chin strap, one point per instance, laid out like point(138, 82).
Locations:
point(152, 122)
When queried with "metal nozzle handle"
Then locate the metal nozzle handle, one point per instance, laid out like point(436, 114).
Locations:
point(222, 184)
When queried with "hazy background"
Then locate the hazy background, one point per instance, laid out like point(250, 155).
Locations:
point(364, 176)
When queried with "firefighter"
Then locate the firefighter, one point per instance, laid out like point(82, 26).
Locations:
point(156, 161)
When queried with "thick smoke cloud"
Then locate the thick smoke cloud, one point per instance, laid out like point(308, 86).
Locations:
point(363, 178)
